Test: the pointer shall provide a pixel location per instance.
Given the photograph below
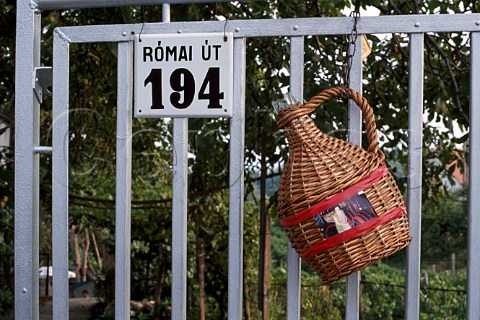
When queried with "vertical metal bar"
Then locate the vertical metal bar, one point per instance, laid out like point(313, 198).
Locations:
point(27, 117)
point(166, 12)
point(179, 219)
point(123, 181)
point(179, 209)
point(473, 282)
point(294, 265)
point(237, 149)
point(415, 137)
point(60, 176)
point(352, 309)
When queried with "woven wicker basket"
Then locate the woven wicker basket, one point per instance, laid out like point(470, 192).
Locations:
point(323, 173)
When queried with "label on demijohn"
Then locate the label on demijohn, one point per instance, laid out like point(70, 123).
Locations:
point(345, 215)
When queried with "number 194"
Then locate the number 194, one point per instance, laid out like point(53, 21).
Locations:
point(183, 84)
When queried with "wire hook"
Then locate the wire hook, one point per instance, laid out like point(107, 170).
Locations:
point(143, 24)
point(225, 39)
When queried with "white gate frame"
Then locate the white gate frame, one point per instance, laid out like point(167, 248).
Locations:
point(27, 149)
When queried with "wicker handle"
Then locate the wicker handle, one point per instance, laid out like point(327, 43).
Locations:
point(295, 112)
point(362, 103)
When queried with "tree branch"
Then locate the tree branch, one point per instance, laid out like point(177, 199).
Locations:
point(448, 63)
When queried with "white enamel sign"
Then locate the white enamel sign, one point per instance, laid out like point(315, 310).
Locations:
point(183, 75)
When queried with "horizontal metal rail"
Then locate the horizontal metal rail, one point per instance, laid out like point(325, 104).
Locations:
point(42, 149)
point(280, 27)
point(78, 4)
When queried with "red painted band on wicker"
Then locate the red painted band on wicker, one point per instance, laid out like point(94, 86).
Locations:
point(352, 233)
point(336, 199)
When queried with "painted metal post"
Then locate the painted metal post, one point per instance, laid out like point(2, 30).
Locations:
point(473, 283)
point(27, 117)
point(415, 142)
point(236, 205)
point(294, 265)
point(179, 219)
point(352, 310)
point(60, 144)
point(123, 167)
point(179, 209)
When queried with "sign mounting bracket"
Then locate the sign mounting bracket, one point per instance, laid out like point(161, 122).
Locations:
point(42, 82)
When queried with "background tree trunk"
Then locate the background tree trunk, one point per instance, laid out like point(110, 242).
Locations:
point(97, 253)
point(107, 259)
point(147, 276)
point(265, 235)
point(76, 252)
point(159, 283)
point(246, 291)
point(86, 248)
point(200, 248)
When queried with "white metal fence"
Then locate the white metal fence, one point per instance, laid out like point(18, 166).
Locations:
point(28, 149)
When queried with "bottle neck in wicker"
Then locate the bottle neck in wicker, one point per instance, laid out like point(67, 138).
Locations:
point(319, 166)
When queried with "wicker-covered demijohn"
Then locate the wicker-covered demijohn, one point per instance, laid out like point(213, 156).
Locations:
point(339, 205)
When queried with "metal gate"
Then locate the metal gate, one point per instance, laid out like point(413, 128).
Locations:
point(27, 149)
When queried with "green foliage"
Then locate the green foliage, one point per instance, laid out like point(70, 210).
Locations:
point(444, 227)
point(383, 292)
point(279, 243)
point(7, 65)
point(139, 314)
point(6, 299)
point(6, 231)
point(445, 297)
point(324, 302)
point(382, 295)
